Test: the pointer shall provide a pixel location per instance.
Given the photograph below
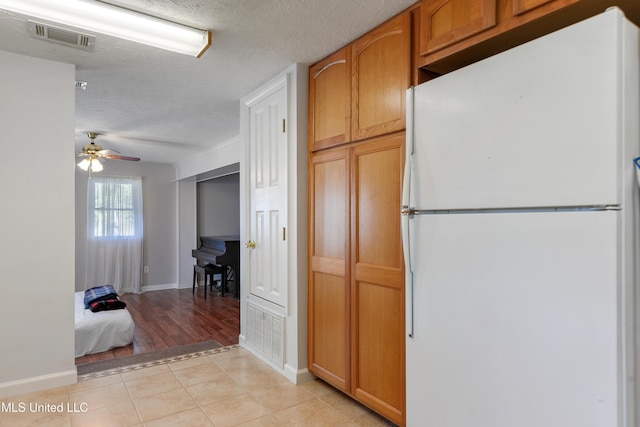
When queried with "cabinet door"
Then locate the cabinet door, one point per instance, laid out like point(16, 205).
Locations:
point(523, 6)
point(445, 22)
point(381, 64)
point(378, 331)
point(328, 265)
point(330, 101)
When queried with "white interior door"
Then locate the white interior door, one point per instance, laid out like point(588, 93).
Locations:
point(268, 196)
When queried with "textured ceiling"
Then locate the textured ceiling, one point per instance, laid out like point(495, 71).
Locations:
point(163, 106)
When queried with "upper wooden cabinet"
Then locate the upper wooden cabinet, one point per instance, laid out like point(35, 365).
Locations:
point(454, 33)
point(330, 100)
point(445, 22)
point(359, 91)
point(522, 6)
point(381, 64)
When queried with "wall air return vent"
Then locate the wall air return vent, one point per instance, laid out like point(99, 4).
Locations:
point(265, 333)
point(63, 36)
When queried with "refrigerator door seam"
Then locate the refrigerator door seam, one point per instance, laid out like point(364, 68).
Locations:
point(410, 212)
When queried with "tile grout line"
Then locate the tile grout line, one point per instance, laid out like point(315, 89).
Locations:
point(182, 384)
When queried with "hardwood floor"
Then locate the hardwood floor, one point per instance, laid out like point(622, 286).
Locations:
point(174, 317)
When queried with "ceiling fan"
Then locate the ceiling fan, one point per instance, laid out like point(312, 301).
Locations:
point(92, 154)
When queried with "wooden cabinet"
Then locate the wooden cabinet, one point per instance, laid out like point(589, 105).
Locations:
point(381, 74)
point(445, 22)
point(356, 272)
point(377, 276)
point(523, 6)
point(356, 338)
point(329, 296)
point(454, 33)
point(359, 91)
point(330, 101)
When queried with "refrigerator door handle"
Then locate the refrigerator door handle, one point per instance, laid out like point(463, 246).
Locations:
point(407, 212)
point(405, 220)
point(410, 102)
point(406, 248)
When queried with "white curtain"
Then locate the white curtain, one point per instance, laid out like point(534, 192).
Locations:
point(114, 233)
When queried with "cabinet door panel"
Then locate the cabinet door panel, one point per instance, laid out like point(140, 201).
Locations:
point(328, 264)
point(329, 329)
point(444, 22)
point(381, 63)
point(380, 340)
point(523, 6)
point(377, 313)
point(330, 198)
point(330, 101)
point(377, 195)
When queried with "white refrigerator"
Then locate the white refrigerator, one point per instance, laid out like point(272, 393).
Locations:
point(520, 227)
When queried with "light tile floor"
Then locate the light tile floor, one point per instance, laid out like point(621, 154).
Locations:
point(228, 388)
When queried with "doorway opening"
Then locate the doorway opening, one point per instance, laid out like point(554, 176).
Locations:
point(176, 317)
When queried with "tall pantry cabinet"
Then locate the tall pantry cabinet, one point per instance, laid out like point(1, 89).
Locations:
point(356, 269)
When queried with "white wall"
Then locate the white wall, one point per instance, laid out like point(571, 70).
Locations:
point(37, 228)
point(187, 220)
point(219, 206)
point(298, 214)
point(160, 220)
point(223, 154)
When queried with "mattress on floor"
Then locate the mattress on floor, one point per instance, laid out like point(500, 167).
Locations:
point(101, 331)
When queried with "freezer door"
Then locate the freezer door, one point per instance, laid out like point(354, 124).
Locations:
point(538, 125)
point(515, 320)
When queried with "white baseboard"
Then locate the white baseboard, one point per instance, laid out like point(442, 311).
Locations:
point(262, 357)
point(151, 288)
point(298, 376)
point(42, 382)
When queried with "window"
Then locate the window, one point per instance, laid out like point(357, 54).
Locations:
point(114, 233)
point(115, 207)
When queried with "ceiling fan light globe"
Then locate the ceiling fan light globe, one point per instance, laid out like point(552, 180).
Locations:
point(84, 164)
point(96, 166)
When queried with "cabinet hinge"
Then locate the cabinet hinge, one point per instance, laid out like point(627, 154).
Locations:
point(284, 126)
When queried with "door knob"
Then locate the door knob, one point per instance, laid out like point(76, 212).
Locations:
point(250, 244)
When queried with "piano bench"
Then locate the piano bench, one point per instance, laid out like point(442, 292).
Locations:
point(208, 271)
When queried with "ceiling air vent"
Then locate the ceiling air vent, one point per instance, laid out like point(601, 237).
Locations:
point(63, 36)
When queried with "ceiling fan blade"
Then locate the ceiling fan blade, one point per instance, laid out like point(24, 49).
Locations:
point(118, 157)
point(106, 152)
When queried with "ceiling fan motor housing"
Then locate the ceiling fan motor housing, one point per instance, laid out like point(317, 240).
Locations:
point(93, 151)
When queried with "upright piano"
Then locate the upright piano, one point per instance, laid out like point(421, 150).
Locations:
point(223, 251)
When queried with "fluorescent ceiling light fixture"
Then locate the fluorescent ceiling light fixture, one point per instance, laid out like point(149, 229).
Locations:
point(115, 21)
